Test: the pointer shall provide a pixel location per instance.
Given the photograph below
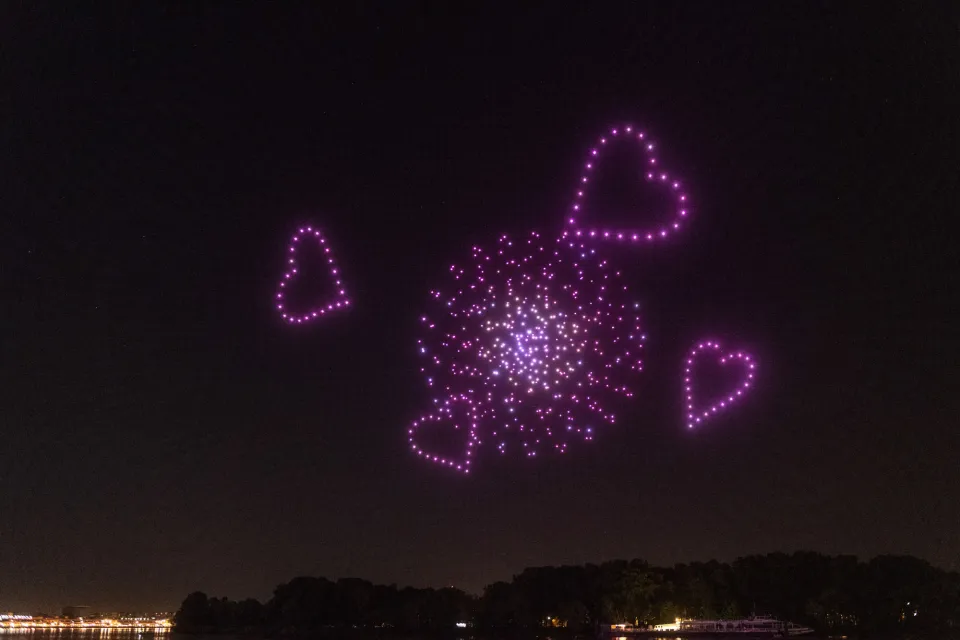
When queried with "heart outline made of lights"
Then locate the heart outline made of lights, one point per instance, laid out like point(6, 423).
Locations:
point(699, 415)
point(653, 173)
point(340, 299)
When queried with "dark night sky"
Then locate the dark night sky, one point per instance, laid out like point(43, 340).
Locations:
point(163, 432)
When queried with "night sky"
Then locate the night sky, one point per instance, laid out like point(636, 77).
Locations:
point(163, 431)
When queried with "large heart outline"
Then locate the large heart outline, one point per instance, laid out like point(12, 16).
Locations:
point(653, 173)
point(445, 413)
point(697, 415)
point(340, 299)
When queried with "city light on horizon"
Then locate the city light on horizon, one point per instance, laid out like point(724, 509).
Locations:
point(24, 622)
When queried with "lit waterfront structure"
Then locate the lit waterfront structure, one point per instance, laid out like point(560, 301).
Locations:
point(14, 621)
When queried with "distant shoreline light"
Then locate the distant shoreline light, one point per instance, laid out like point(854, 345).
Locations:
point(12, 622)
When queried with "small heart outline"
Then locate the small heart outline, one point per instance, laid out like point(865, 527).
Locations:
point(653, 174)
point(340, 299)
point(697, 416)
point(445, 413)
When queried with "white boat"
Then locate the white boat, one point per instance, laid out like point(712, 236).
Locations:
point(756, 625)
point(753, 626)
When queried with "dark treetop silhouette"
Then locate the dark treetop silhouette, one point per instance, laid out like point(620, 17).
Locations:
point(887, 594)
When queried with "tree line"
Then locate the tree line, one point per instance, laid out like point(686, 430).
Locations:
point(831, 593)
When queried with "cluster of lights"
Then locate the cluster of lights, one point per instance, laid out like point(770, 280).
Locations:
point(24, 622)
point(532, 343)
point(697, 415)
point(652, 172)
point(541, 335)
point(339, 300)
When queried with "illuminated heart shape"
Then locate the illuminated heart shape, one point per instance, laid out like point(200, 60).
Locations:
point(698, 415)
point(579, 227)
point(339, 301)
point(457, 412)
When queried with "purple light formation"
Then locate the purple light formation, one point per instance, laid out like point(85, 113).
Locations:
point(698, 415)
point(532, 344)
point(653, 174)
point(458, 413)
point(339, 300)
point(540, 335)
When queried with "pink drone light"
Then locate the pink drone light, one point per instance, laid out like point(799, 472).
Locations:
point(698, 415)
point(339, 300)
point(653, 173)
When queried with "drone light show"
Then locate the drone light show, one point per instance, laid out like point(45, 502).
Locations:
point(531, 345)
point(319, 309)
point(697, 414)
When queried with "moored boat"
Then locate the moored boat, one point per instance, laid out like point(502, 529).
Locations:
point(755, 626)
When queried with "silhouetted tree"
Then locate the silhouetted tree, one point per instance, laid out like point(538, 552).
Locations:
point(888, 594)
point(194, 613)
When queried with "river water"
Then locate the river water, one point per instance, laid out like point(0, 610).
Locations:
point(166, 634)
